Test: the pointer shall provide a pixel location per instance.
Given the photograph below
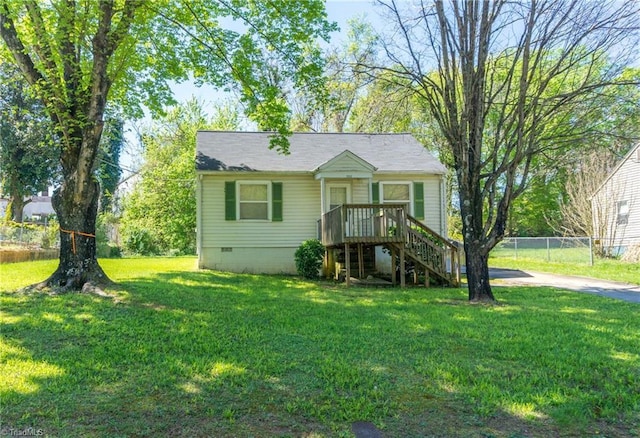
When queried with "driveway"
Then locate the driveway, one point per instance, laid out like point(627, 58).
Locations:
point(611, 289)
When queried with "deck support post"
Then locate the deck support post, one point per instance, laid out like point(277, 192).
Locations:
point(457, 271)
point(325, 263)
point(360, 261)
point(393, 265)
point(347, 262)
point(402, 267)
point(426, 277)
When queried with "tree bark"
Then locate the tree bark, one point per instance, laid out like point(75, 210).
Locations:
point(76, 103)
point(17, 205)
point(78, 268)
point(478, 274)
point(476, 244)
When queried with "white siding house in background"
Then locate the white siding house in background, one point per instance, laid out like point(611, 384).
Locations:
point(38, 207)
point(255, 206)
point(616, 205)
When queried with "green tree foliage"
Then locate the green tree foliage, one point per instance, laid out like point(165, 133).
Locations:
point(27, 151)
point(109, 170)
point(506, 82)
point(380, 101)
point(344, 85)
point(384, 107)
point(605, 122)
point(537, 211)
point(160, 213)
point(271, 51)
point(77, 56)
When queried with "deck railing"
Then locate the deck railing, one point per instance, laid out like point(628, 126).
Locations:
point(428, 247)
point(363, 223)
point(389, 224)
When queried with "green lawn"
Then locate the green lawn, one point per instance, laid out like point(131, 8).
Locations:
point(186, 353)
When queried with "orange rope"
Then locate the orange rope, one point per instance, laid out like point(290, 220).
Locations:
point(73, 237)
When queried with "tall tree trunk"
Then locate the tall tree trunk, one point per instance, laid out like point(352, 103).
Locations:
point(476, 244)
point(17, 205)
point(478, 273)
point(78, 267)
point(76, 204)
point(73, 82)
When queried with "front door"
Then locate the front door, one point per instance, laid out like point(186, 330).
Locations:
point(337, 194)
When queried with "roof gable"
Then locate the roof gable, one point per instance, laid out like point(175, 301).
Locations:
point(345, 165)
point(218, 151)
point(633, 155)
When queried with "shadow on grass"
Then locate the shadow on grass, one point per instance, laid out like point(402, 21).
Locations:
point(215, 354)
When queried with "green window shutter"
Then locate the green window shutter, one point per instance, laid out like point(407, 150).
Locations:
point(375, 193)
point(276, 202)
point(230, 200)
point(418, 200)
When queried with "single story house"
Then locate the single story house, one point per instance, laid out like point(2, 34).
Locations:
point(255, 206)
point(616, 206)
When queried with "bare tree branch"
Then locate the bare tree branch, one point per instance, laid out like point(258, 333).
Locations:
point(505, 82)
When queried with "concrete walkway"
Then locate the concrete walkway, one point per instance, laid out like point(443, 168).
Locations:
point(611, 289)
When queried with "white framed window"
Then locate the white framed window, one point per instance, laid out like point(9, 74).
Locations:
point(623, 213)
point(396, 193)
point(254, 199)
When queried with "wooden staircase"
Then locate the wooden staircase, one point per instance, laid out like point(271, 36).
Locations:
point(436, 255)
point(389, 225)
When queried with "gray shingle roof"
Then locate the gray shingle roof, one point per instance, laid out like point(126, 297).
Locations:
point(249, 151)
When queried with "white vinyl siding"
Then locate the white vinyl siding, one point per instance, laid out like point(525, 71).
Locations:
point(266, 246)
point(360, 191)
point(301, 211)
point(617, 206)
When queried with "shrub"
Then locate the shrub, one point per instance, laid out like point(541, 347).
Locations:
point(308, 258)
point(140, 242)
point(51, 234)
point(105, 248)
point(108, 251)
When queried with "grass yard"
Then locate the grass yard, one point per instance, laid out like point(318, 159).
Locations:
point(186, 353)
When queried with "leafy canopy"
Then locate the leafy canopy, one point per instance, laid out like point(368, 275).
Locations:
point(160, 213)
point(231, 44)
point(27, 150)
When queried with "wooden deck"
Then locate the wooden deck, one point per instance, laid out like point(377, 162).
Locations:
point(363, 223)
point(389, 225)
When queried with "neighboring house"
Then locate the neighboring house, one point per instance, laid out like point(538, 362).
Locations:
point(38, 207)
point(616, 206)
point(255, 206)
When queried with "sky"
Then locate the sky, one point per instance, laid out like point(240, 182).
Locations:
point(340, 11)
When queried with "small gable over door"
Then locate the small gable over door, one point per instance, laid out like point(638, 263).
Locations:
point(345, 165)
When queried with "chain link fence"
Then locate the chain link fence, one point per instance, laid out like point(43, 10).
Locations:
point(550, 249)
point(30, 235)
